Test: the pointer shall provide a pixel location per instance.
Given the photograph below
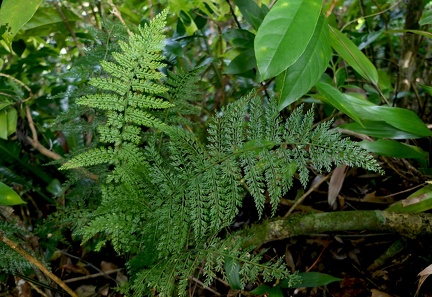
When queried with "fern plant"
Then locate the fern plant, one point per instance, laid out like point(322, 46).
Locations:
point(167, 199)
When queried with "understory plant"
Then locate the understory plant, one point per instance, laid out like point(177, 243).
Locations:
point(168, 199)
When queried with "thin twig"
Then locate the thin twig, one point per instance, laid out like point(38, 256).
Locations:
point(302, 198)
point(34, 142)
point(205, 287)
point(117, 13)
point(37, 263)
point(68, 26)
point(21, 84)
point(370, 15)
point(80, 278)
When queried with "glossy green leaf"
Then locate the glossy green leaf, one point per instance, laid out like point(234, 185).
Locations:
point(307, 70)
point(312, 280)
point(6, 104)
point(54, 187)
point(419, 201)
point(339, 100)
point(284, 35)
point(14, 14)
point(395, 149)
point(419, 32)
point(359, 110)
point(232, 268)
point(9, 196)
point(353, 56)
point(3, 124)
point(428, 89)
point(403, 119)
point(240, 38)
point(426, 18)
point(252, 13)
point(379, 130)
point(268, 291)
point(12, 119)
point(243, 62)
point(47, 16)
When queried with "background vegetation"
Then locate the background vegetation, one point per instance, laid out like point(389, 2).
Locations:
point(365, 65)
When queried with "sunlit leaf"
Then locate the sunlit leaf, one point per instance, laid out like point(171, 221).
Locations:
point(14, 14)
point(284, 34)
point(9, 196)
point(307, 70)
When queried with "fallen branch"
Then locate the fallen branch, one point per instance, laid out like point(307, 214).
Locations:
point(406, 224)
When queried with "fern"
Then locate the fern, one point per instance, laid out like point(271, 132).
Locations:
point(166, 198)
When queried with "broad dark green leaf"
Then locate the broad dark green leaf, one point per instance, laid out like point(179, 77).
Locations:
point(426, 18)
point(311, 280)
point(3, 124)
point(353, 56)
point(339, 100)
point(243, 62)
point(419, 201)
point(9, 196)
point(12, 119)
point(395, 149)
point(403, 119)
point(379, 130)
point(359, 110)
point(252, 13)
point(6, 104)
point(232, 268)
point(428, 89)
point(307, 70)
point(284, 34)
point(419, 32)
point(240, 38)
point(14, 14)
point(269, 291)
point(48, 15)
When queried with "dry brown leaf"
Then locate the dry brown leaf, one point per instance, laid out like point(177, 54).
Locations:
point(372, 198)
point(336, 182)
point(423, 275)
point(414, 200)
point(377, 293)
point(108, 266)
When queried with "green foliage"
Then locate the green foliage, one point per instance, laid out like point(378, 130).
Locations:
point(170, 178)
point(166, 200)
point(11, 261)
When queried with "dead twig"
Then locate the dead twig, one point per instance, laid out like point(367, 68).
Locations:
point(302, 198)
point(37, 263)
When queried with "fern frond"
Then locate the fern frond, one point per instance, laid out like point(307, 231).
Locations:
point(104, 102)
point(90, 158)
